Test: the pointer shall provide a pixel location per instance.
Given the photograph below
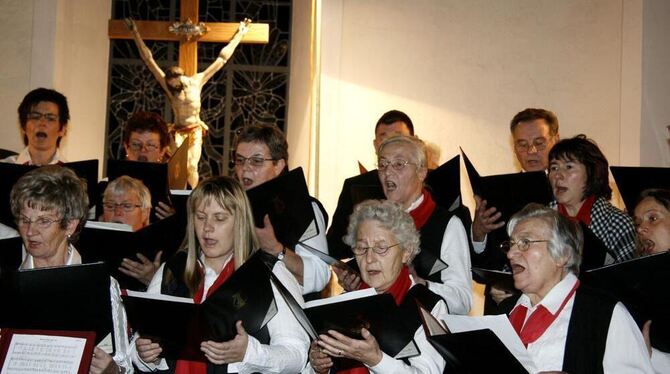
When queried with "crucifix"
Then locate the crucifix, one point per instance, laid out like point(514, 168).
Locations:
point(183, 84)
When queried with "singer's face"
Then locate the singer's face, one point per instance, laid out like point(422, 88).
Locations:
point(214, 229)
point(379, 271)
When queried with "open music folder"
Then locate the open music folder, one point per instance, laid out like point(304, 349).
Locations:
point(286, 201)
point(46, 351)
point(71, 298)
point(486, 344)
point(112, 242)
point(351, 311)
point(180, 325)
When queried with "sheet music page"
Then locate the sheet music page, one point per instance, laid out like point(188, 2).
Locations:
point(500, 326)
point(28, 354)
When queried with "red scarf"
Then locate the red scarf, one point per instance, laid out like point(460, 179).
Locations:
point(197, 367)
point(584, 214)
point(398, 290)
point(538, 322)
point(421, 213)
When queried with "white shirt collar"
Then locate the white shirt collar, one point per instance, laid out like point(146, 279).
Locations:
point(415, 204)
point(555, 297)
point(24, 157)
point(73, 258)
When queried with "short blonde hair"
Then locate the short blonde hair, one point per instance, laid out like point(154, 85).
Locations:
point(124, 184)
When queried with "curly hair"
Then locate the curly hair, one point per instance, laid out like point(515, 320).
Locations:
point(391, 216)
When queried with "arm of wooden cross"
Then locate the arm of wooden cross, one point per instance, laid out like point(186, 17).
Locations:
point(227, 51)
point(146, 55)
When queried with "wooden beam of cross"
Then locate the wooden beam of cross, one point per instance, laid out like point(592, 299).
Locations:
point(218, 32)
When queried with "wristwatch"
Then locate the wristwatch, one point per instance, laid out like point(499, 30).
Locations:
point(280, 255)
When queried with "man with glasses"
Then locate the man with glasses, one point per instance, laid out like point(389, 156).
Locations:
point(402, 165)
point(534, 132)
point(393, 122)
point(261, 154)
point(127, 200)
point(43, 115)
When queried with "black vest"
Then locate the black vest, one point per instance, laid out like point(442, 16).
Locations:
point(432, 233)
point(587, 332)
point(173, 284)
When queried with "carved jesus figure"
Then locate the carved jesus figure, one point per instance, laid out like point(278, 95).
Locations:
point(183, 92)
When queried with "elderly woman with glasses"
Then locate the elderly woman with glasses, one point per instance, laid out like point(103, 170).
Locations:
point(384, 241)
point(402, 170)
point(127, 200)
point(565, 326)
point(579, 177)
point(146, 138)
point(50, 206)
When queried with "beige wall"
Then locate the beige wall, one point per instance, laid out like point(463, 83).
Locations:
point(654, 135)
point(62, 45)
point(17, 20)
point(462, 69)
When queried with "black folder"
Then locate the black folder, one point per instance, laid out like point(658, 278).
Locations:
point(285, 199)
point(111, 246)
point(633, 180)
point(73, 298)
point(180, 327)
point(641, 284)
point(444, 184)
point(498, 278)
point(474, 352)
point(508, 193)
point(10, 254)
point(378, 313)
point(154, 176)
point(10, 174)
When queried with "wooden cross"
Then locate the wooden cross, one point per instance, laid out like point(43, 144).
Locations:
point(188, 48)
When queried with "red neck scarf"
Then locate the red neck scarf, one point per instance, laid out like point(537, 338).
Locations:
point(197, 367)
point(538, 322)
point(584, 214)
point(421, 213)
point(398, 290)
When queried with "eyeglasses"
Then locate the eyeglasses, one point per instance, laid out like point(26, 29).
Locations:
point(397, 164)
point(254, 161)
point(539, 144)
point(521, 244)
point(41, 222)
point(36, 116)
point(138, 146)
point(378, 249)
point(127, 207)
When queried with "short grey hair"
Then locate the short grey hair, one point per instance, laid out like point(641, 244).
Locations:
point(52, 188)
point(417, 145)
point(566, 239)
point(391, 216)
point(124, 184)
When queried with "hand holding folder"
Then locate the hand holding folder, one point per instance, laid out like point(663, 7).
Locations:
point(180, 326)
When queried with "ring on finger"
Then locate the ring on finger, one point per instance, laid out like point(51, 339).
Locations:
point(339, 353)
